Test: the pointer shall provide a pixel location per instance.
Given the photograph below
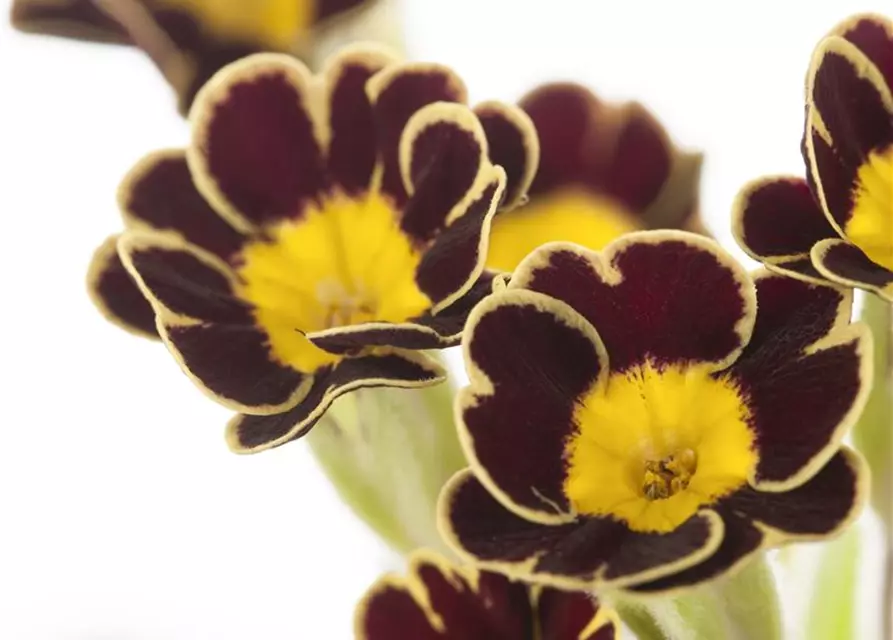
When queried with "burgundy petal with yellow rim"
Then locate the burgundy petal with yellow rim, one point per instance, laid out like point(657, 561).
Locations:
point(439, 601)
point(397, 93)
point(182, 280)
point(159, 193)
point(353, 147)
point(645, 294)
point(80, 19)
point(584, 554)
point(529, 358)
point(425, 332)
point(116, 295)
point(823, 506)
point(454, 191)
point(846, 264)
point(456, 259)
point(873, 35)
point(513, 145)
point(254, 433)
point(777, 221)
point(233, 364)
point(805, 374)
point(256, 153)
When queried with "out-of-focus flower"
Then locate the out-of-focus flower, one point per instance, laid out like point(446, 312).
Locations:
point(651, 416)
point(190, 40)
point(838, 223)
point(605, 169)
point(440, 601)
point(317, 235)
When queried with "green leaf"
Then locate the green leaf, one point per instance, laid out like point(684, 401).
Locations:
point(834, 605)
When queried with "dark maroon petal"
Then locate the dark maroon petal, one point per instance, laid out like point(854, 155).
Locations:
point(641, 160)
point(443, 157)
point(529, 358)
point(455, 260)
point(821, 507)
point(81, 19)
point(255, 152)
point(778, 217)
point(799, 268)
point(583, 553)
point(234, 364)
point(353, 148)
point(563, 114)
point(831, 181)
point(445, 603)
point(181, 279)
point(449, 322)
point(873, 36)
point(328, 9)
point(397, 93)
point(740, 541)
point(253, 433)
point(564, 615)
point(804, 374)
point(159, 192)
point(116, 295)
point(846, 264)
point(512, 144)
point(667, 296)
point(352, 339)
point(389, 612)
point(847, 90)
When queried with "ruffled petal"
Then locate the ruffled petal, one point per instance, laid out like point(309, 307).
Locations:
point(255, 151)
point(513, 145)
point(845, 264)
point(667, 297)
point(583, 554)
point(529, 359)
point(115, 293)
point(805, 377)
point(254, 433)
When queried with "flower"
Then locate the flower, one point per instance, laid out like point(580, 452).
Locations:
point(318, 233)
point(189, 40)
point(605, 169)
point(441, 601)
point(838, 223)
point(651, 416)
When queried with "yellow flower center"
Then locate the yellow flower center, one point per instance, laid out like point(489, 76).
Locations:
point(342, 264)
point(655, 445)
point(569, 215)
point(274, 23)
point(871, 226)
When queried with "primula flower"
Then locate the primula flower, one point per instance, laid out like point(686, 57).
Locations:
point(189, 40)
point(440, 601)
point(651, 416)
point(837, 224)
point(605, 169)
point(318, 233)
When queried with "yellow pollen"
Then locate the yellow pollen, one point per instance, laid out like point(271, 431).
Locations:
point(570, 215)
point(654, 445)
point(667, 477)
point(343, 264)
point(871, 225)
point(277, 24)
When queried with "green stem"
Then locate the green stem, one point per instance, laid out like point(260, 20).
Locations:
point(743, 606)
point(388, 453)
point(873, 436)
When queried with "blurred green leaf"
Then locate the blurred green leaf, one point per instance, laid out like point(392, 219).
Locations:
point(833, 607)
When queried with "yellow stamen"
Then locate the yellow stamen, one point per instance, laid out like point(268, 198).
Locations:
point(654, 445)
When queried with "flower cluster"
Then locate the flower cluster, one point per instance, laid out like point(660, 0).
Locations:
point(643, 415)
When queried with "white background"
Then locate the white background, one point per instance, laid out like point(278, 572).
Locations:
point(122, 514)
